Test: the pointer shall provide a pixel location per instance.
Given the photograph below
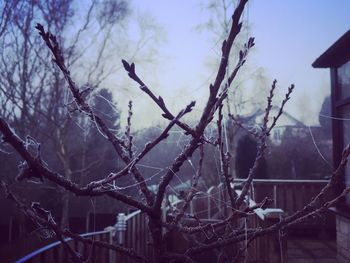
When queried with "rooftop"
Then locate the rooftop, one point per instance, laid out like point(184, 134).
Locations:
point(336, 55)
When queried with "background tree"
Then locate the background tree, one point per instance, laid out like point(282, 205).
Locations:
point(31, 88)
point(246, 154)
point(304, 152)
point(297, 157)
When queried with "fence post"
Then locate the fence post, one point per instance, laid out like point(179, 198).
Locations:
point(120, 228)
point(276, 250)
point(118, 231)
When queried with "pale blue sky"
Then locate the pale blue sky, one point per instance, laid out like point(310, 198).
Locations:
point(290, 35)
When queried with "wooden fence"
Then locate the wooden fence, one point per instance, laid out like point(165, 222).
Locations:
point(210, 206)
point(292, 196)
point(289, 195)
point(56, 253)
point(213, 205)
point(135, 236)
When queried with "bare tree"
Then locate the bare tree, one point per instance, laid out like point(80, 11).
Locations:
point(151, 203)
point(31, 98)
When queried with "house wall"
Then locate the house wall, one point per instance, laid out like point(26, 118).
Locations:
point(343, 239)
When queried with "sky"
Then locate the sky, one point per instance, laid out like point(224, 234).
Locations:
point(289, 36)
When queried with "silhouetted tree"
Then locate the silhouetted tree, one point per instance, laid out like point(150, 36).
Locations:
point(297, 156)
point(246, 152)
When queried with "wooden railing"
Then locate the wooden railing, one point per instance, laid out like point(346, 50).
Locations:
point(211, 205)
point(136, 236)
point(55, 252)
point(270, 248)
point(288, 196)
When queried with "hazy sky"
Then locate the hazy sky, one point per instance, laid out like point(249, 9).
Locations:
point(290, 35)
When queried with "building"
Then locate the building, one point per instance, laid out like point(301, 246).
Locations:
point(337, 59)
point(285, 122)
point(254, 121)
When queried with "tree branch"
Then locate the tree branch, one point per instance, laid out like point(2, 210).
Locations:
point(38, 168)
point(118, 144)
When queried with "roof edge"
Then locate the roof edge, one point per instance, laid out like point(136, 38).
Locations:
point(336, 55)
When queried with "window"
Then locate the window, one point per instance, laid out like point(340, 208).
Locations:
point(277, 135)
point(346, 141)
point(343, 86)
point(343, 74)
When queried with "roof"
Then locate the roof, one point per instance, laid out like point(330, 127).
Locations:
point(254, 117)
point(336, 55)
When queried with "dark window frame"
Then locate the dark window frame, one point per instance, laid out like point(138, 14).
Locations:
point(338, 104)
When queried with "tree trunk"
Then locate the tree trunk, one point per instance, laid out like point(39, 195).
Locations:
point(65, 201)
point(157, 240)
point(65, 209)
point(64, 158)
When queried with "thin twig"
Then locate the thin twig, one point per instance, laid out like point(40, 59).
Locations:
point(128, 135)
point(262, 137)
point(130, 68)
point(191, 194)
point(225, 161)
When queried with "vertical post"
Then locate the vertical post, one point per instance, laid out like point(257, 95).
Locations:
point(275, 244)
point(164, 203)
point(210, 192)
point(87, 226)
point(120, 228)
point(275, 195)
point(219, 197)
point(209, 206)
point(120, 231)
point(112, 254)
point(191, 207)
